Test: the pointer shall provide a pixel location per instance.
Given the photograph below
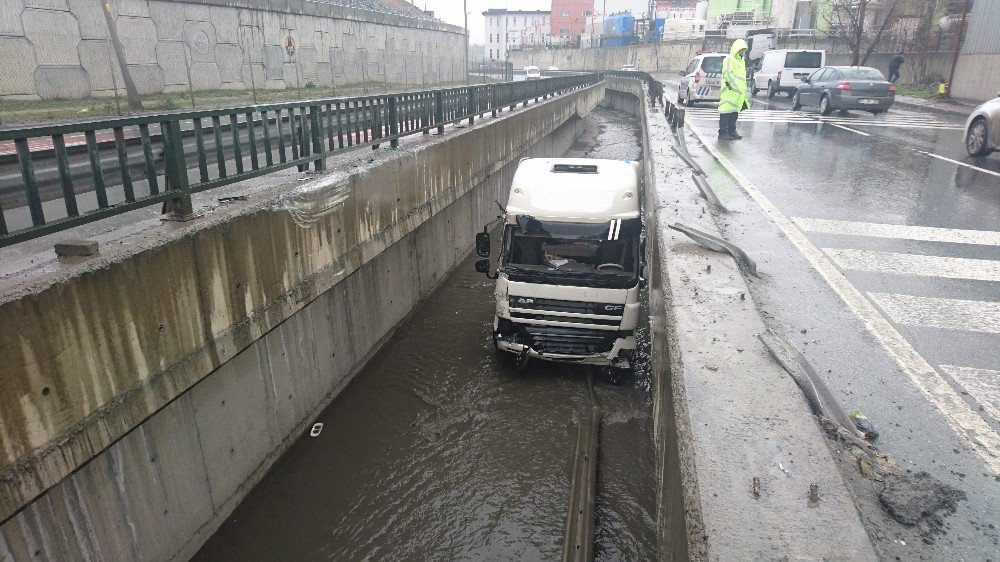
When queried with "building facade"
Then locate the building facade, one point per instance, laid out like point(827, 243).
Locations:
point(569, 20)
point(514, 29)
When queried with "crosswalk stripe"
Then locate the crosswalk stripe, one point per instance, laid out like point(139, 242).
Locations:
point(904, 232)
point(933, 312)
point(915, 264)
point(982, 384)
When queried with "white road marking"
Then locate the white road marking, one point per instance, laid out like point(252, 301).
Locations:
point(947, 314)
point(982, 384)
point(919, 265)
point(904, 232)
point(851, 130)
point(983, 170)
point(968, 425)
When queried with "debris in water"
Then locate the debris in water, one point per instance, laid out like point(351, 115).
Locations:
point(914, 498)
point(232, 198)
point(782, 467)
point(756, 486)
point(317, 428)
point(813, 495)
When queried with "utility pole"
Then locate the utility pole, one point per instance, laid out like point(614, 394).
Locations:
point(958, 45)
point(131, 92)
point(465, 11)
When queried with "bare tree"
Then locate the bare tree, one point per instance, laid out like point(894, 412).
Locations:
point(863, 24)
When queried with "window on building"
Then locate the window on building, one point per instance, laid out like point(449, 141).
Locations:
point(564, 14)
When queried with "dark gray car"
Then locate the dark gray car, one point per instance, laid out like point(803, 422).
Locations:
point(843, 88)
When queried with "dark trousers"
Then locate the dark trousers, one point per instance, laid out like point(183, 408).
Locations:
point(893, 75)
point(727, 122)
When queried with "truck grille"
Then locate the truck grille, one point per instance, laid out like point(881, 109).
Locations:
point(569, 341)
point(552, 305)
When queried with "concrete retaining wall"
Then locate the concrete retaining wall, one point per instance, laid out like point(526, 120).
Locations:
point(60, 48)
point(184, 393)
point(977, 77)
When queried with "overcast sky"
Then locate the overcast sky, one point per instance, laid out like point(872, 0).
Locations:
point(451, 10)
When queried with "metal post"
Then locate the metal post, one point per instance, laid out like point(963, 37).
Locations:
point(958, 46)
point(317, 137)
point(472, 105)
point(439, 110)
point(181, 207)
point(393, 122)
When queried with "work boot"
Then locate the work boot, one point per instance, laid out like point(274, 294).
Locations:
point(726, 136)
point(735, 135)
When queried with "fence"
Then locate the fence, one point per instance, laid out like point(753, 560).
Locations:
point(120, 165)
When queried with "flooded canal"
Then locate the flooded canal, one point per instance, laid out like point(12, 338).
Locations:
point(440, 449)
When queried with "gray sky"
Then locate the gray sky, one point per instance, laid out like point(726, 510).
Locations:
point(451, 10)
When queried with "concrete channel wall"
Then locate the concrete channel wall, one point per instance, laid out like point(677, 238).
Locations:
point(61, 48)
point(142, 399)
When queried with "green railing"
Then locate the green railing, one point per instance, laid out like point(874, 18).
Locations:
point(77, 173)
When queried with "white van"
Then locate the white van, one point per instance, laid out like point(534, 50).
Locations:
point(702, 79)
point(781, 70)
point(532, 73)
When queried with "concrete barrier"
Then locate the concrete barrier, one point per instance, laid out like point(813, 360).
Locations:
point(146, 393)
point(61, 48)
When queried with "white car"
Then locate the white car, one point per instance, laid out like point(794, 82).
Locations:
point(702, 79)
point(982, 130)
point(532, 73)
point(627, 68)
point(551, 69)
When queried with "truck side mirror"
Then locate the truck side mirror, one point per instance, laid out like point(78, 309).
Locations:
point(482, 246)
point(483, 266)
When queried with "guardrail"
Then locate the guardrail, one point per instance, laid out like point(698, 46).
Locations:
point(165, 158)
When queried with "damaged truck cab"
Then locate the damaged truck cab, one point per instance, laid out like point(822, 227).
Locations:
point(569, 273)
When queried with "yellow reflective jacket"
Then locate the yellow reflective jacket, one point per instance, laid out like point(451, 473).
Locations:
point(734, 96)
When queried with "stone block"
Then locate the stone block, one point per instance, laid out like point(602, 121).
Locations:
point(62, 82)
point(55, 36)
point(205, 76)
point(90, 18)
point(321, 43)
point(138, 37)
point(274, 58)
point(256, 80)
point(172, 58)
point(139, 8)
point(77, 248)
point(227, 24)
point(148, 78)
point(10, 17)
point(230, 61)
point(169, 20)
point(197, 12)
point(291, 75)
point(324, 73)
point(199, 36)
point(16, 77)
point(47, 4)
point(252, 43)
point(307, 62)
point(99, 61)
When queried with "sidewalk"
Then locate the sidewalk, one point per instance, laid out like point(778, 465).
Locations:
point(951, 106)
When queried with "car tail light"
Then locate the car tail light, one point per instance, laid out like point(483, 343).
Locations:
point(844, 86)
point(697, 76)
point(892, 88)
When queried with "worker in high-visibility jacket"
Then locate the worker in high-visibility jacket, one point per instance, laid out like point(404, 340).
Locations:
point(734, 98)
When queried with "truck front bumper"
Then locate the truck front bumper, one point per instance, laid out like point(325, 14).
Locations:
point(620, 355)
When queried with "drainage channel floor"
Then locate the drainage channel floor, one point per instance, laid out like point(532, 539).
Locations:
point(440, 449)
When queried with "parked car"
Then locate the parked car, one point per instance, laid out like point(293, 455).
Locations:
point(532, 73)
point(843, 88)
point(982, 130)
point(781, 70)
point(552, 69)
point(702, 79)
point(627, 68)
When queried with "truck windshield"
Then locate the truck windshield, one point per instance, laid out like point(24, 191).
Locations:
point(606, 249)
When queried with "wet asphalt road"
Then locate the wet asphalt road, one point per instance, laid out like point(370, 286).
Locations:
point(893, 204)
point(440, 450)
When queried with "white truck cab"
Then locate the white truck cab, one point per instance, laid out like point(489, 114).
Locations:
point(569, 273)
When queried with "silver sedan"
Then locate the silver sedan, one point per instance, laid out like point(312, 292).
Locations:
point(982, 130)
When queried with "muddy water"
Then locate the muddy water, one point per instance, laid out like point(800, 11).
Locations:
point(439, 449)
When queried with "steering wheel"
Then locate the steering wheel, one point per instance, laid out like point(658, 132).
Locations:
point(614, 265)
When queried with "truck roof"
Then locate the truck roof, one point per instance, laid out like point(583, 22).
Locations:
point(579, 189)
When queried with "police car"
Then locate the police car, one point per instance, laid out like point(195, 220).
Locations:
point(702, 79)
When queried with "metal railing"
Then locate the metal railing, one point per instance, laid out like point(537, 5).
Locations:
point(62, 176)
